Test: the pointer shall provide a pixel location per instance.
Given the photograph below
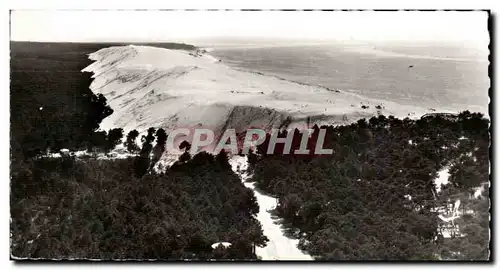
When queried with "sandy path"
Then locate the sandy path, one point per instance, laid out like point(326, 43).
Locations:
point(279, 246)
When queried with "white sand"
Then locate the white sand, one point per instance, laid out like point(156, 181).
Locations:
point(442, 178)
point(279, 246)
point(155, 87)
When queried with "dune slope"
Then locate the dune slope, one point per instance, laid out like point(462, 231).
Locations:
point(156, 87)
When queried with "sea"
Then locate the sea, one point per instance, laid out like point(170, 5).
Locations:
point(448, 77)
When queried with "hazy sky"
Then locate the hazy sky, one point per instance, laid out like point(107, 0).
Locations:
point(468, 27)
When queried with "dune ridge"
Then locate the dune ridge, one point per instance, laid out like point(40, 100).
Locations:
point(156, 87)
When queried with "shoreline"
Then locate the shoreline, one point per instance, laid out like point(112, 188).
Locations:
point(360, 93)
point(411, 115)
point(184, 88)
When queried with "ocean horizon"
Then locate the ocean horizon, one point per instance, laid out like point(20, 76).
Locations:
point(447, 77)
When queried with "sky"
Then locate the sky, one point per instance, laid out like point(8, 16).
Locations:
point(143, 26)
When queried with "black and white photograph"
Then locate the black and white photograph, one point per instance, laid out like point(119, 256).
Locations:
point(238, 135)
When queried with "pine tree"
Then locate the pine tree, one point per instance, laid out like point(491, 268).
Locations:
point(130, 143)
point(114, 138)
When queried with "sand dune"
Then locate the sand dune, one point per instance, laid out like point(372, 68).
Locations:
point(156, 87)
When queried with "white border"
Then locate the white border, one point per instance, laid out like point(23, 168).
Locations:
point(255, 4)
point(189, 4)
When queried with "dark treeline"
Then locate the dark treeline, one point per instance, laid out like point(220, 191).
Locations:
point(353, 204)
point(88, 208)
point(73, 207)
point(51, 104)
